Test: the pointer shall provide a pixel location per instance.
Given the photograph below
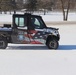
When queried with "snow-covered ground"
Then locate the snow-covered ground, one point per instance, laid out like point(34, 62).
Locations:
point(67, 40)
point(50, 17)
point(38, 60)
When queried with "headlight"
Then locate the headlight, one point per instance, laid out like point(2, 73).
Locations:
point(55, 32)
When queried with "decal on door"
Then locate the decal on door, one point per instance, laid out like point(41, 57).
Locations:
point(33, 37)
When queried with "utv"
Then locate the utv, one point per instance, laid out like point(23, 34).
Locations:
point(28, 29)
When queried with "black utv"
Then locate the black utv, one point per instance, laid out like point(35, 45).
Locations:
point(28, 29)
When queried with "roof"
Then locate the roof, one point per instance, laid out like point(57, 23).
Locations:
point(26, 14)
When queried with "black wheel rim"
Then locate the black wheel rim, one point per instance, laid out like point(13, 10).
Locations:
point(53, 44)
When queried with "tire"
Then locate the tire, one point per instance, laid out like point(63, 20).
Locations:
point(3, 44)
point(52, 44)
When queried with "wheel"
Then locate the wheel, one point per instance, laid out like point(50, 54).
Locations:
point(3, 44)
point(52, 44)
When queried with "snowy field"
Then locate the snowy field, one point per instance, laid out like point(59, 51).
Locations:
point(50, 17)
point(67, 40)
point(39, 60)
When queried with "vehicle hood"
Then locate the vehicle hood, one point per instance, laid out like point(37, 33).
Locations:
point(51, 28)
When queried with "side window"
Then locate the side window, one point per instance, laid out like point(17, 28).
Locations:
point(19, 21)
point(37, 22)
point(16, 21)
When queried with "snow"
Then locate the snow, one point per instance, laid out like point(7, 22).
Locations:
point(38, 59)
point(5, 18)
point(50, 17)
point(38, 62)
point(67, 40)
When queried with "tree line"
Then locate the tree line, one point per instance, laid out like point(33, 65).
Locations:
point(38, 5)
point(32, 5)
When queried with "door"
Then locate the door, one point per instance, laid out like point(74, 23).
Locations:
point(19, 34)
point(37, 30)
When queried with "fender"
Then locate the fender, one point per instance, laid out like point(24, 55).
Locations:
point(52, 37)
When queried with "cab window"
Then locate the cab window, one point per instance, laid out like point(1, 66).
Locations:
point(19, 21)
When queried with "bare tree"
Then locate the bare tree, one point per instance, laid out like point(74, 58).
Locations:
point(7, 5)
point(65, 8)
point(13, 6)
point(0, 3)
point(19, 4)
point(45, 5)
point(31, 5)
